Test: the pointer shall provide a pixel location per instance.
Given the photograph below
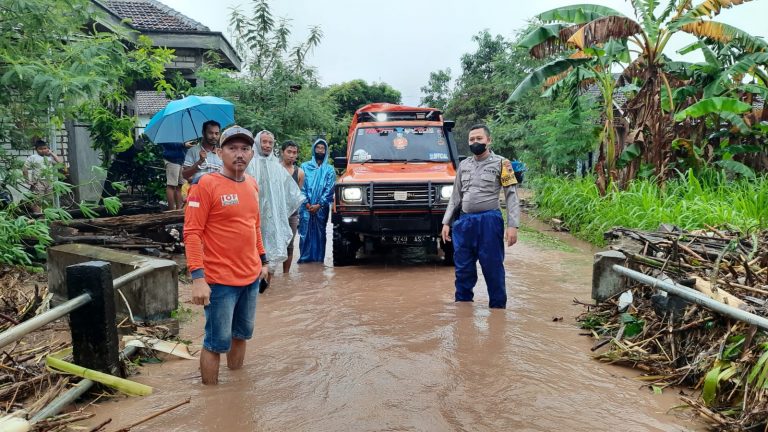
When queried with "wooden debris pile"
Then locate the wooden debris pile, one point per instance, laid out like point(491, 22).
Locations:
point(25, 383)
point(158, 232)
point(17, 304)
point(27, 386)
point(677, 343)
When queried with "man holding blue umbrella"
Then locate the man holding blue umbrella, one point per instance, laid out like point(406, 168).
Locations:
point(202, 158)
point(193, 118)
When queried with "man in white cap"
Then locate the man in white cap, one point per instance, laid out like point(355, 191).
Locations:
point(225, 253)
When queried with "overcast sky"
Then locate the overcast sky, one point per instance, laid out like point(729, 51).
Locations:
point(400, 42)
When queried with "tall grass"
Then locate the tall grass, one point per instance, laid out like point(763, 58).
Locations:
point(688, 202)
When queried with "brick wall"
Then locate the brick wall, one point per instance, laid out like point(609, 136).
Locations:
point(62, 147)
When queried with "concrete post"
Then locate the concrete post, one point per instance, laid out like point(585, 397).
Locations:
point(94, 330)
point(82, 158)
point(605, 282)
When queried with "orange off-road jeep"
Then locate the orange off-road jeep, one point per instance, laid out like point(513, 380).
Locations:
point(400, 167)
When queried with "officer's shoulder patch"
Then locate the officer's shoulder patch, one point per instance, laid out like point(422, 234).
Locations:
point(507, 177)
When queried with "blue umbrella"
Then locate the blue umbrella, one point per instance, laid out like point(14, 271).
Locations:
point(182, 120)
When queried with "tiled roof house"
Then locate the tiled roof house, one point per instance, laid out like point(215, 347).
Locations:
point(151, 15)
point(168, 28)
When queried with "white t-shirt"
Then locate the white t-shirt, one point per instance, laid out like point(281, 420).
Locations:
point(212, 160)
point(37, 166)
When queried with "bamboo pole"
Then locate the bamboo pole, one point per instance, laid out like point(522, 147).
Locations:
point(128, 387)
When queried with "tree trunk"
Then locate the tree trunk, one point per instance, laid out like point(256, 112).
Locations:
point(130, 224)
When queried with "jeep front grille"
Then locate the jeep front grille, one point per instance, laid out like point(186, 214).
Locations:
point(413, 194)
point(390, 195)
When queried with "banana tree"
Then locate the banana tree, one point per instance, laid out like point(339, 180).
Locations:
point(576, 29)
point(715, 120)
point(588, 68)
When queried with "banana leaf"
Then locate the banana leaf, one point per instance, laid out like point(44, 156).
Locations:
point(541, 34)
point(604, 29)
point(737, 167)
point(577, 14)
point(713, 105)
point(628, 155)
point(722, 33)
point(538, 77)
point(710, 8)
point(709, 56)
point(746, 64)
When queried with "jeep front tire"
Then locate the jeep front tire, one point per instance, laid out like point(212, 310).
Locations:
point(344, 247)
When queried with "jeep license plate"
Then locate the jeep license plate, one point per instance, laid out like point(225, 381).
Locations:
point(401, 196)
point(406, 240)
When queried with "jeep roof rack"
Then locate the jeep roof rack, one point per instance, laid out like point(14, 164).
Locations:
point(385, 116)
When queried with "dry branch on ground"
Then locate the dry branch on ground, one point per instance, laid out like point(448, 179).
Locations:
point(678, 343)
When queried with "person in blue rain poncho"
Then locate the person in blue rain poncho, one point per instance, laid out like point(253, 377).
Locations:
point(279, 197)
point(319, 179)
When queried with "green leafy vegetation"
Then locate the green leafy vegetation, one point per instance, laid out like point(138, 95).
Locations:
point(640, 116)
point(665, 98)
point(183, 313)
point(593, 321)
point(688, 201)
point(279, 91)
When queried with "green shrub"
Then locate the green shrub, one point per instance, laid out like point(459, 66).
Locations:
point(24, 236)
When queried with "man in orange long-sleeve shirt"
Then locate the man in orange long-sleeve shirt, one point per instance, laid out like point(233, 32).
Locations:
point(225, 253)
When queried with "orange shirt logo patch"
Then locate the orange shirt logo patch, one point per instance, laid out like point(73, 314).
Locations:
point(229, 199)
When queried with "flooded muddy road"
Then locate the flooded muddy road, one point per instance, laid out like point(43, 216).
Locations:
point(382, 346)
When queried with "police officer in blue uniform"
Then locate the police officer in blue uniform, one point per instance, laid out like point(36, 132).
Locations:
point(473, 218)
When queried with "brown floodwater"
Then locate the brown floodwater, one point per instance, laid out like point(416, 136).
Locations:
point(383, 347)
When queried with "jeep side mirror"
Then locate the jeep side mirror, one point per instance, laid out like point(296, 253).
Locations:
point(340, 162)
point(449, 125)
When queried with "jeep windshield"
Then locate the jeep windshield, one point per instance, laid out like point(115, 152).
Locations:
point(400, 144)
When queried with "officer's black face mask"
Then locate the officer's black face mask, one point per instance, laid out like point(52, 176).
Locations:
point(477, 148)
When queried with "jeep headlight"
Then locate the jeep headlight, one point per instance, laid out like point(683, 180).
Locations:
point(352, 194)
point(446, 192)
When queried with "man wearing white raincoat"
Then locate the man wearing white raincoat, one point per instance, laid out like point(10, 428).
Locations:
point(279, 197)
